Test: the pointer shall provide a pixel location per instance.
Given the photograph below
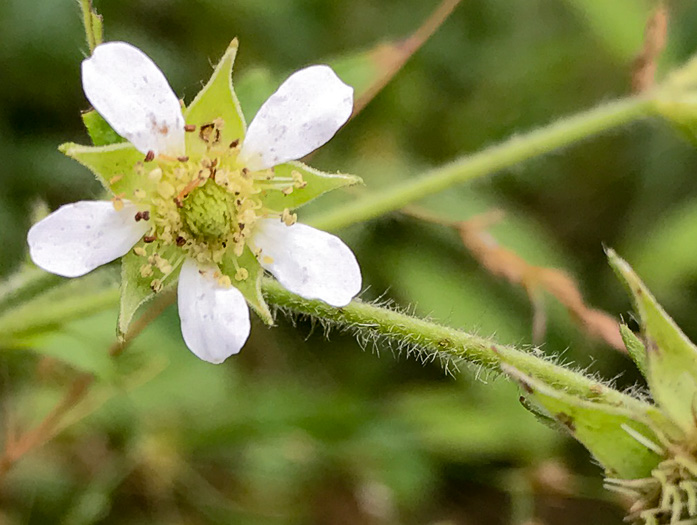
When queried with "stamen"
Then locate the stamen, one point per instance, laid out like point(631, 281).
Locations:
point(140, 251)
point(150, 156)
point(115, 179)
point(189, 128)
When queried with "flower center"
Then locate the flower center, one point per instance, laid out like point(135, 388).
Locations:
point(209, 211)
point(205, 205)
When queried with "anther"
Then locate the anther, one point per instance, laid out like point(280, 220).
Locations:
point(149, 238)
point(181, 241)
point(234, 143)
point(156, 285)
point(150, 156)
point(209, 133)
point(189, 128)
point(115, 179)
point(241, 274)
point(183, 158)
point(139, 216)
point(140, 251)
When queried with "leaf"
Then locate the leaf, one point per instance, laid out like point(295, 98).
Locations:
point(136, 290)
point(114, 165)
point(317, 183)
point(99, 130)
point(625, 446)
point(250, 287)
point(671, 356)
point(635, 348)
point(217, 100)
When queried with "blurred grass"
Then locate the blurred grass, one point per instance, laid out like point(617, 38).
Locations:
point(300, 429)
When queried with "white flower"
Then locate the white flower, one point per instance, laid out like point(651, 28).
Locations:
point(133, 96)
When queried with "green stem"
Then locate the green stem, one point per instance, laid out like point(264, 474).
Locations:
point(455, 346)
point(93, 24)
point(495, 158)
point(24, 286)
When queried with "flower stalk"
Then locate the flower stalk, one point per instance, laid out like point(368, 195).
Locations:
point(516, 149)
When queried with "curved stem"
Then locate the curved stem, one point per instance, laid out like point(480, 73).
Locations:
point(512, 151)
point(435, 341)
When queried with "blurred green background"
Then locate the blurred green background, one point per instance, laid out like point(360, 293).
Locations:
point(307, 429)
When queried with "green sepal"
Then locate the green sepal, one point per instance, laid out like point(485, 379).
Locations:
point(317, 183)
point(99, 130)
point(251, 286)
point(600, 427)
point(135, 289)
point(635, 348)
point(217, 100)
point(671, 356)
point(114, 165)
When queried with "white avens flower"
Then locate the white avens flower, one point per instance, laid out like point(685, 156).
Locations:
point(200, 199)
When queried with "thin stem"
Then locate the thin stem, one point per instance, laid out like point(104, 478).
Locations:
point(16, 448)
point(93, 24)
point(495, 158)
point(437, 341)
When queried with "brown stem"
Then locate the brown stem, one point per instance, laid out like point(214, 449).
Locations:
point(17, 447)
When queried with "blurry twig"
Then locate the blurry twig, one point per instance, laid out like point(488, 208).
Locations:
point(644, 70)
point(18, 446)
point(394, 55)
point(505, 263)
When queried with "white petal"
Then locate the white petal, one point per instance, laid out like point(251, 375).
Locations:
point(305, 112)
point(309, 262)
point(215, 319)
point(133, 96)
point(77, 238)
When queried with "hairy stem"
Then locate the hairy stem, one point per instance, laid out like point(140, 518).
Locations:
point(512, 151)
point(437, 341)
point(93, 24)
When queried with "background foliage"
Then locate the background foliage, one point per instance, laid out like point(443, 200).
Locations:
point(301, 429)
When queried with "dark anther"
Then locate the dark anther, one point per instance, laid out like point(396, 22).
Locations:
point(150, 156)
point(178, 202)
point(146, 215)
point(149, 238)
point(183, 158)
point(209, 133)
point(143, 216)
point(189, 128)
point(235, 143)
point(240, 225)
point(181, 241)
point(224, 244)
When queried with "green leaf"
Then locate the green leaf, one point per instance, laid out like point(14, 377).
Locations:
point(635, 348)
point(317, 184)
point(114, 165)
point(625, 446)
point(135, 289)
point(99, 130)
point(217, 100)
point(671, 356)
point(250, 287)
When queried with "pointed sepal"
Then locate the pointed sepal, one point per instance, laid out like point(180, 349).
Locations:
point(635, 348)
point(314, 183)
point(250, 285)
point(99, 130)
point(115, 166)
point(671, 357)
point(217, 100)
point(623, 444)
point(137, 286)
